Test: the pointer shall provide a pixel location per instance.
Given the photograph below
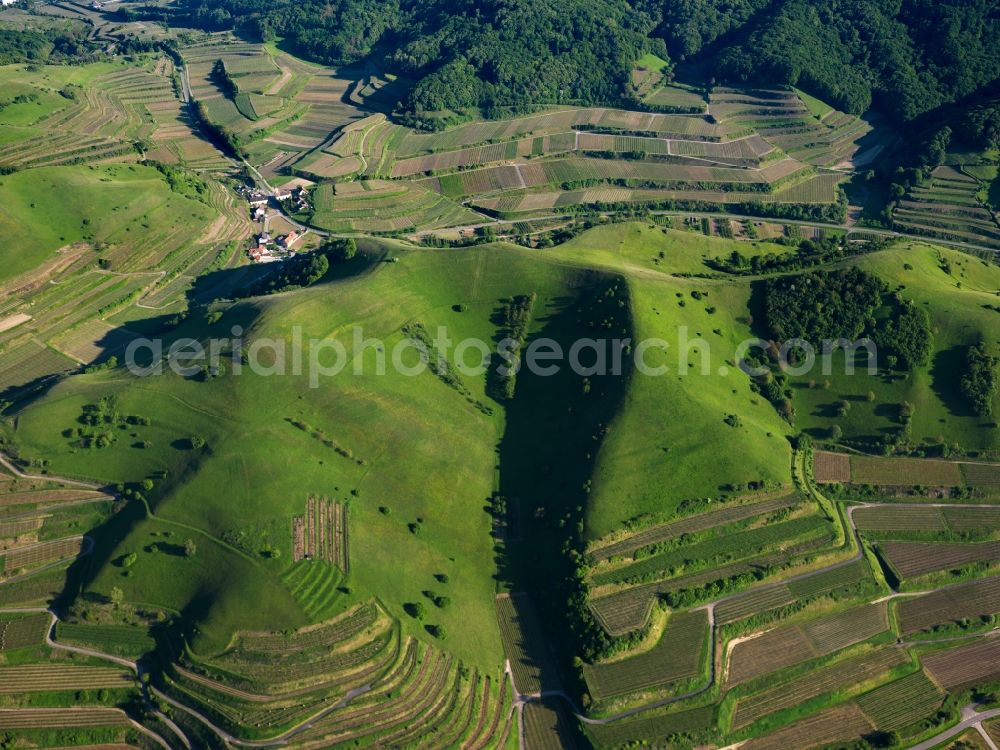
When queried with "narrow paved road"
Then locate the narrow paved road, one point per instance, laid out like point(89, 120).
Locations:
point(970, 718)
point(521, 698)
point(6, 463)
point(986, 737)
point(133, 666)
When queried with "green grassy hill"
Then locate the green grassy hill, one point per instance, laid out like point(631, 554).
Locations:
point(415, 459)
point(257, 468)
point(48, 208)
point(958, 292)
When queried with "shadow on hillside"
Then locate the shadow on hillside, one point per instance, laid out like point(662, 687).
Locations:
point(554, 428)
point(82, 572)
point(757, 307)
point(946, 370)
point(167, 327)
point(17, 397)
point(221, 286)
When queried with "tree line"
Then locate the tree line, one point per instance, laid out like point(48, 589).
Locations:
point(500, 57)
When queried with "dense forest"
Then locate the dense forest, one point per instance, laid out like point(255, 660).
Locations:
point(821, 307)
point(907, 56)
point(44, 46)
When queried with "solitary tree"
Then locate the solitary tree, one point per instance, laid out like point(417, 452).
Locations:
point(189, 548)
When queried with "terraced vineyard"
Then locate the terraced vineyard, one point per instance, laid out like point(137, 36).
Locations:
point(51, 677)
point(18, 560)
point(913, 559)
point(122, 640)
point(784, 646)
point(731, 546)
point(379, 206)
point(619, 733)
point(840, 723)
point(980, 598)
point(964, 665)
point(621, 598)
point(843, 674)
point(900, 703)
point(547, 727)
point(535, 163)
point(784, 119)
point(156, 242)
point(19, 632)
point(399, 690)
point(32, 718)
point(728, 599)
point(528, 652)
point(677, 656)
point(603, 550)
point(903, 472)
point(949, 207)
point(321, 534)
point(888, 520)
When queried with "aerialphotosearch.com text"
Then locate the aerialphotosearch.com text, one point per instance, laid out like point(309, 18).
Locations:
point(323, 358)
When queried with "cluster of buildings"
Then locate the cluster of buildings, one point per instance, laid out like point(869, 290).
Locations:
point(259, 200)
point(299, 197)
point(265, 248)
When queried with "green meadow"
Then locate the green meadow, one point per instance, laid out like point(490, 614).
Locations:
point(958, 292)
point(423, 456)
point(49, 208)
point(416, 458)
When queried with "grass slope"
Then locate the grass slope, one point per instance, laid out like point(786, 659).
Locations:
point(652, 457)
point(42, 210)
point(956, 290)
point(257, 468)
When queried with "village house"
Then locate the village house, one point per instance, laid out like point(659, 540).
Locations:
point(288, 240)
point(256, 198)
point(259, 213)
point(282, 195)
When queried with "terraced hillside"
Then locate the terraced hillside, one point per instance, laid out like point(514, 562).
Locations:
point(460, 558)
point(952, 206)
point(353, 678)
point(278, 107)
point(102, 113)
point(144, 256)
point(746, 150)
point(566, 158)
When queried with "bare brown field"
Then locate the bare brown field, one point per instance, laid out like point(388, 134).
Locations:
point(966, 665)
point(838, 724)
point(912, 559)
point(831, 467)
